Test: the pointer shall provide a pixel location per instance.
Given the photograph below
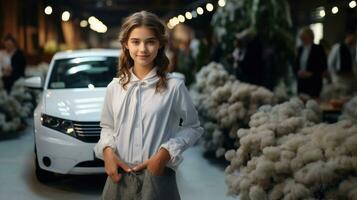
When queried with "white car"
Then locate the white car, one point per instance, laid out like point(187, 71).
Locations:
point(66, 121)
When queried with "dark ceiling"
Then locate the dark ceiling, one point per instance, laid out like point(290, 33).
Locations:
point(112, 11)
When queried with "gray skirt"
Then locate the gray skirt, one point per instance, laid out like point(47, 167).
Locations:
point(142, 186)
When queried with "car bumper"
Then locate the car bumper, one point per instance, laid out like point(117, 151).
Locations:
point(67, 154)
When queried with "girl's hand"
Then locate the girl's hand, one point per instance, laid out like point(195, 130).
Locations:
point(111, 163)
point(156, 164)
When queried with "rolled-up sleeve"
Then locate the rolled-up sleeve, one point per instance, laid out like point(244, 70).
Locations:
point(107, 125)
point(189, 132)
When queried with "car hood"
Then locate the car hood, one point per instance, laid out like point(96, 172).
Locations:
point(74, 104)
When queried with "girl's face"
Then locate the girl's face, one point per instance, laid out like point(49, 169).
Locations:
point(143, 46)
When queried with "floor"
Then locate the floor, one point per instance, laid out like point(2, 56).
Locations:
point(198, 177)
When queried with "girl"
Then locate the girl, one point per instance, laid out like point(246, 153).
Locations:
point(141, 141)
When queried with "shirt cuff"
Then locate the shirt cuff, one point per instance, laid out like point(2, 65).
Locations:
point(99, 147)
point(175, 156)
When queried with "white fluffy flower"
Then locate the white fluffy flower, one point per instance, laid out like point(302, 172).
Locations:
point(16, 106)
point(222, 99)
point(350, 111)
point(305, 159)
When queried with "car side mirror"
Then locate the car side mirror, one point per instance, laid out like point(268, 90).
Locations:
point(33, 82)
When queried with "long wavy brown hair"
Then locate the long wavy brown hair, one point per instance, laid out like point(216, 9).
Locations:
point(151, 21)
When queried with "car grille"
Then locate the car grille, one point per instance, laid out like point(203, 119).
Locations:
point(87, 131)
point(92, 163)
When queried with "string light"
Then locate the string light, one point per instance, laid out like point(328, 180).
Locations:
point(209, 7)
point(83, 23)
point(181, 18)
point(193, 14)
point(322, 13)
point(188, 15)
point(334, 10)
point(65, 16)
point(169, 25)
point(48, 10)
point(96, 25)
point(221, 3)
point(199, 10)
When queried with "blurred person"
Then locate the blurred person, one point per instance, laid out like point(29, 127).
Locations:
point(341, 62)
point(310, 64)
point(326, 45)
point(203, 51)
point(237, 54)
point(5, 67)
point(194, 45)
point(141, 141)
point(185, 62)
point(216, 50)
point(171, 53)
point(235, 59)
point(16, 68)
point(248, 54)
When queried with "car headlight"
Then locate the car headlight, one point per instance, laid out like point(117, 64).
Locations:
point(61, 125)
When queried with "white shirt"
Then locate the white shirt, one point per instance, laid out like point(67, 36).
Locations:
point(137, 122)
point(304, 57)
point(334, 58)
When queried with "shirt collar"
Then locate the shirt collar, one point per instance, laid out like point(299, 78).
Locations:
point(150, 75)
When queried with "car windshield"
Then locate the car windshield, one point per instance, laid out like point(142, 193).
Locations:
point(83, 72)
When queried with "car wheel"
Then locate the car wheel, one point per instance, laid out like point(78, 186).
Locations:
point(43, 175)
